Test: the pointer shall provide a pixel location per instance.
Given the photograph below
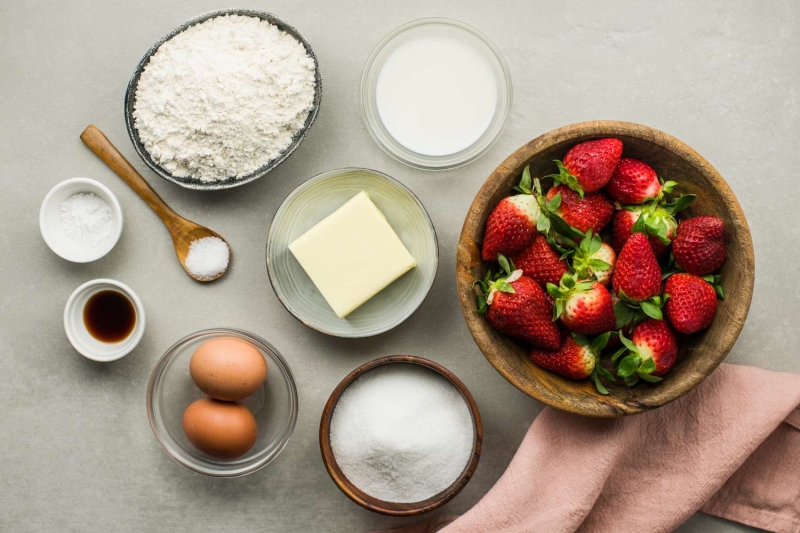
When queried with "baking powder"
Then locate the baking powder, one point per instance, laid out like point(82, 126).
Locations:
point(86, 219)
point(223, 98)
point(402, 433)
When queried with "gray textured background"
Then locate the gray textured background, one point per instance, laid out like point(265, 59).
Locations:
point(76, 451)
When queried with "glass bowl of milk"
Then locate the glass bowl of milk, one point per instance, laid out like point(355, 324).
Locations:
point(435, 94)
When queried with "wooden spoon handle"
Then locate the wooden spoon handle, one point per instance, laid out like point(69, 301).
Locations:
point(102, 147)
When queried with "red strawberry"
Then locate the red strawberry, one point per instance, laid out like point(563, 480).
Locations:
point(511, 226)
point(594, 211)
point(623, 224)
point(699, 247)
point(637, 276)
point(649, 354)
point(576, 360)
point(589, 165)
point(593, 257)
point(692, 302)
point(633, 182)
point(583, 307)
point(517, 306)
point(540, 262)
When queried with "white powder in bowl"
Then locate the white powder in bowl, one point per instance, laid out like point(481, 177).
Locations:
point(208, 257)
point(401, 433)
point(86, 219)
point(223, 98)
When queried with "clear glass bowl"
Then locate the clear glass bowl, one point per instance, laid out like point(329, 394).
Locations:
point(435, 27)
point(171, 390)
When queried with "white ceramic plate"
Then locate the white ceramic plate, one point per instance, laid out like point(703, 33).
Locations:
point(316, 199)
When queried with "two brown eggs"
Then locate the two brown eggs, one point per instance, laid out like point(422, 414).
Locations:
point(227, 370)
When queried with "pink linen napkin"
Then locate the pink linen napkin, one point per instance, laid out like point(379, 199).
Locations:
point(730, 448)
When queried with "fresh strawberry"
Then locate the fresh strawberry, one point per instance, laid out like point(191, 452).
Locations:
point(517, 306)
point(625, 219)
point(588, 166)
point(540, 262)
point(633, 182)
point(649, 353)
point(594, 258)
point(577, 358)
point(594, 211)
point(511, 226)
point(699, 247)
point(692, 302)
point(583, 306)
point(637, 276)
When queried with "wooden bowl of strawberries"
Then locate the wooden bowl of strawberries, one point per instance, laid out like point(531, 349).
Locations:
point(605, 268)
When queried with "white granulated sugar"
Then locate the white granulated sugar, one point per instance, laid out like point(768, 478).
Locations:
point(401, 433)
point(86, 219)
point(208, 257)
point(223, 98)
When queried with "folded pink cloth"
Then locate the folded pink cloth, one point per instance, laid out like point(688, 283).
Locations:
point(730, 448)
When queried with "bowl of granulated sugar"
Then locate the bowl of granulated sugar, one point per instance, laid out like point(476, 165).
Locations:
point(223, 99)
point(401, 435)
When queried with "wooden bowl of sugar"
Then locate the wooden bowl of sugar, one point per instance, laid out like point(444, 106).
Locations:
point(392, 419)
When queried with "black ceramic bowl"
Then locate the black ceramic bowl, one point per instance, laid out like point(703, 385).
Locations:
point(194, 183)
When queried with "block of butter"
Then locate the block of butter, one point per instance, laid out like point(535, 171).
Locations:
point(352, 255)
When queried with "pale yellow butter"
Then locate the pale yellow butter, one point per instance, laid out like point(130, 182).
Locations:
point(352, 255)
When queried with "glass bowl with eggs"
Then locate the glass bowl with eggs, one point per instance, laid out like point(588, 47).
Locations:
point(222, 402)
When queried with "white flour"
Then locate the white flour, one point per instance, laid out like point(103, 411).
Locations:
point(223, 98)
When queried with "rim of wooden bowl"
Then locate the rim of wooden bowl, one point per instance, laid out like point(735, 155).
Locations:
point(393, 508)
point(551, 391)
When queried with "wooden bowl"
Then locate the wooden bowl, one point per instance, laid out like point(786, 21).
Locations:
point(700, 353)
point(393, 508)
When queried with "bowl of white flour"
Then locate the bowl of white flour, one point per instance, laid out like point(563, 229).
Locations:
point(223, 99)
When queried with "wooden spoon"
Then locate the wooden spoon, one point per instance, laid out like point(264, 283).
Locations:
point(183, 231)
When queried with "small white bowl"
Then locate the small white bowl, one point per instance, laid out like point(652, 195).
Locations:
point(50, 220)
point(79, 336)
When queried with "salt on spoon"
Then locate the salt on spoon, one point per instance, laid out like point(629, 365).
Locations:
point(184, 232)
point(208, 257)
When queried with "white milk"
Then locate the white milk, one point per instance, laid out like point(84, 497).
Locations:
point(436, 95)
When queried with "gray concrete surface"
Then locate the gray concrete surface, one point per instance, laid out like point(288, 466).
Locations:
point(76, 451)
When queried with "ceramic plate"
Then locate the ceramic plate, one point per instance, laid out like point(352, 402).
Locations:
point(316, 199)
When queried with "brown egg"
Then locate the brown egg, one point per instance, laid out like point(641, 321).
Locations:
point(224, 430)
point(228, 369)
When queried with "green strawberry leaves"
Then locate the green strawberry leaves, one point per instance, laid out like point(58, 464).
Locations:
point(566, 178)
point(500, 282)
point(566, 288)
point(596, 345)
point(652, 310)
point(524, 185)
point(505, 264)
point(714, 280)
point(633, 367)
point(549, 221)
point(651, 307)
point(623, 313)
point(583, 264)
point(676, 205)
